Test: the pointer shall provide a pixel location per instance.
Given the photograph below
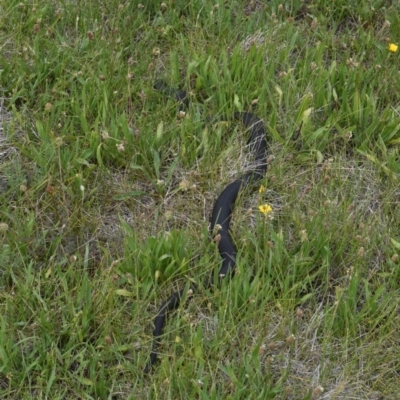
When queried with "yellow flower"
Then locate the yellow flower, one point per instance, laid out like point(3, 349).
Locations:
point(303, 236)
point(265, 209)
point(393, 47)
point(262, 189)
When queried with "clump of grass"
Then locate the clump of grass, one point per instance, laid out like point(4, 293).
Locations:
point(106, 192)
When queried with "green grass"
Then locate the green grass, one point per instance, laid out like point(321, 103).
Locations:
point(105, 198)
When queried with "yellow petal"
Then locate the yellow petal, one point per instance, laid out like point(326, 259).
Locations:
point(393, 47)
point(265, 209)
point(262, 189)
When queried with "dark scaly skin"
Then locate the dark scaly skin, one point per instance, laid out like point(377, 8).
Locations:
point(221, 214)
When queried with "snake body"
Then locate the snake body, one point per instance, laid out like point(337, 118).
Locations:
point(221, 214)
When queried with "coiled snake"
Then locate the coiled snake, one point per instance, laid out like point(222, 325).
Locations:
point(221, 214)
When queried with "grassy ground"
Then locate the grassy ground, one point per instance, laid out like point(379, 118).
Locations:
point(106, 195)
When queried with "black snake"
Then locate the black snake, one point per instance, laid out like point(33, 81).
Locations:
point(221, 214)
